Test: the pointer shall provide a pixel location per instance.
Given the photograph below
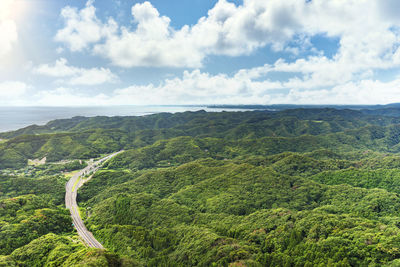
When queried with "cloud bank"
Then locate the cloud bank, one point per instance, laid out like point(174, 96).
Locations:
point(76, 76)
point(243, 87)
point(367, 33)
point(8, 28)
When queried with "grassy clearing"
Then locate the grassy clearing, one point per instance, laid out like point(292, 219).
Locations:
point(36, 162)
point(70, 174)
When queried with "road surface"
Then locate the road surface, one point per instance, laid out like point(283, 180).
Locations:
point(70, 201)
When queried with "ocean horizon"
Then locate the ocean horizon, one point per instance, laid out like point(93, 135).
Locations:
point(14, 118)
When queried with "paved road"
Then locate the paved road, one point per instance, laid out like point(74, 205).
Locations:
point(70, 201)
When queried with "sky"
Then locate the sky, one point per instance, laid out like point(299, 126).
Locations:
point(180, 52)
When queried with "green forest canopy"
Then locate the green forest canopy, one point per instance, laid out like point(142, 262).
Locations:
point(305, 187)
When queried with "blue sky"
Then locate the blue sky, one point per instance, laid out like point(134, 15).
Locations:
point(110, 52)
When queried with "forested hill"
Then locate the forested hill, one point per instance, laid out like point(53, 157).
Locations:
point(84, 138)
point(190, 120)
point(297, 187)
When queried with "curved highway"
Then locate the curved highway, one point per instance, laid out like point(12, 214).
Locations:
point(70, 200)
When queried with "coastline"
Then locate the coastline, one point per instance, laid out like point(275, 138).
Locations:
point(14, 118)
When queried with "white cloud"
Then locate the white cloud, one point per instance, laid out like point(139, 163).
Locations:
point(153, 43)
point(67, 97)
point(93, 76)
point(368, 38)
point(199, 88)
point(8, 28)
point(361, 92)
point(244, 87)
point(226, 30)
point(60, 69)
point(82, 27)
point(59, 50)
point(247, 86)
point(12, 92)
point(368, 32)
point(77, 76)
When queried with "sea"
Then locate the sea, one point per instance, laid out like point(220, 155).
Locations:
point(13, 118)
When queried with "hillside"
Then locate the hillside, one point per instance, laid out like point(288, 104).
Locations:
point(91, 137)
point(298, 187)
point(195, 122)
point(260, 210)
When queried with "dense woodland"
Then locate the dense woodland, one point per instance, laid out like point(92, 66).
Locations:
point(297, 187)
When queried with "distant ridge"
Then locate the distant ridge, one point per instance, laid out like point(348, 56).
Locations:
point(156, 121)
point(293, 106)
